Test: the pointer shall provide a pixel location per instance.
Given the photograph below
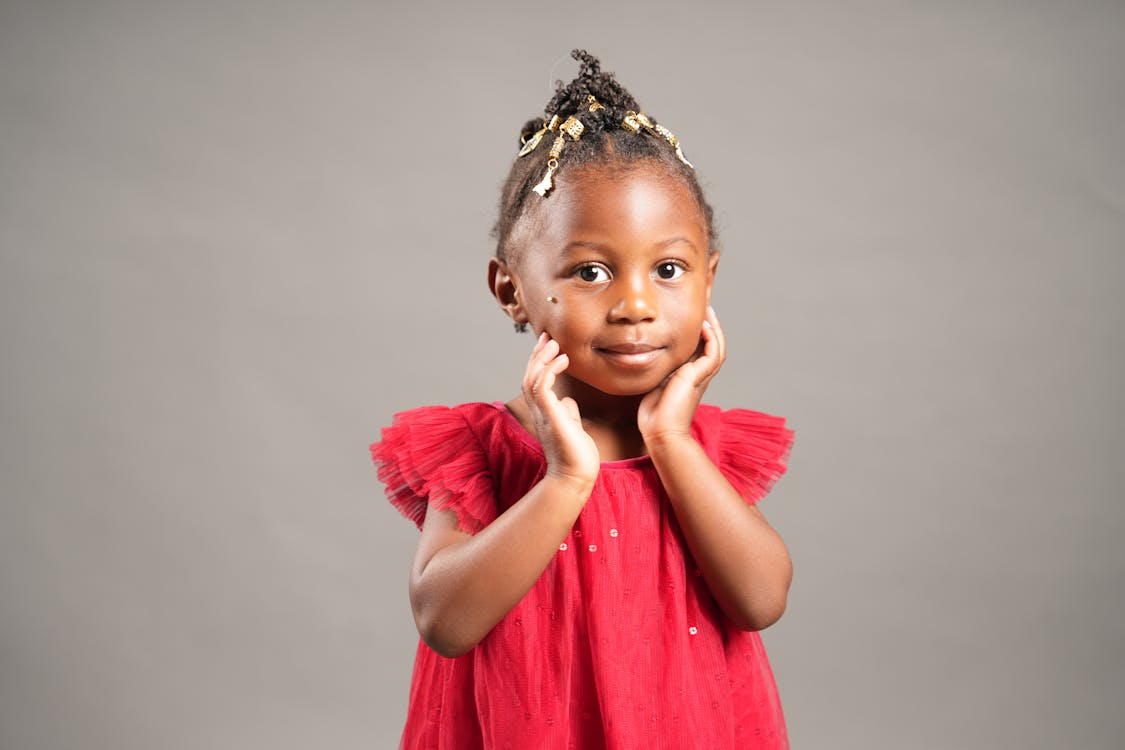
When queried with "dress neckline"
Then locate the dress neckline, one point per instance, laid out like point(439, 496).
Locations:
point(532, 442)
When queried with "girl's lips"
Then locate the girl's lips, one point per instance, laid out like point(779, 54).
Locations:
point(630, 355)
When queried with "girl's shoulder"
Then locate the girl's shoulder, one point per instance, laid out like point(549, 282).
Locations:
point(449, 428)
point(434, 456)
point(750, 447)
point(455, 458)
point(713, 421)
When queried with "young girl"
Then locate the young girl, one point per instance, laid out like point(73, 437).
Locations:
point(592, 569)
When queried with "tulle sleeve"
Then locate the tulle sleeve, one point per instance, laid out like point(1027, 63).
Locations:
point(753, 451)
point(430, 458)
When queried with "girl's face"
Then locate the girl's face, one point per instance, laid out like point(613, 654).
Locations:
point(626, 257)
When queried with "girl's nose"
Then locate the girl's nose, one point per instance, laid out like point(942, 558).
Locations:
point(635, 302)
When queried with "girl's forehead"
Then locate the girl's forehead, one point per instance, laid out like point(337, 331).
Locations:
point(633, 200)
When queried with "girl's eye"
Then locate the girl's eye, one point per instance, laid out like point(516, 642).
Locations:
point(592, 274)
point(669, 270)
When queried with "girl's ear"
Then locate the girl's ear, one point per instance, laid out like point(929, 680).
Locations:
point(712, 266)
point(505, 288)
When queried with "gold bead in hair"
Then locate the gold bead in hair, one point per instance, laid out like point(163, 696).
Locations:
point(573, 127)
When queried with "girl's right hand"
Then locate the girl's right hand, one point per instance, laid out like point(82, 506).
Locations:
point(571, 452)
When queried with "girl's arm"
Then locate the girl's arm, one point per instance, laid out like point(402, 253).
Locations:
point(461, 585)
point(743, 560)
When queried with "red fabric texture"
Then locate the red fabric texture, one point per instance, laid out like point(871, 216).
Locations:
point(619, 644)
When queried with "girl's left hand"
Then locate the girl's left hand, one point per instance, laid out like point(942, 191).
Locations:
point(668, 409)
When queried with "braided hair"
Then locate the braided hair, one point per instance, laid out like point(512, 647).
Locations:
point(603, 141)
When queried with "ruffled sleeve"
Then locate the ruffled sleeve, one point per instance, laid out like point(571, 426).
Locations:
point(430, 458)
point(753, 451)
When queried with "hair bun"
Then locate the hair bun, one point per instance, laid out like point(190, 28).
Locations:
point(573, 98)
point(590, 65)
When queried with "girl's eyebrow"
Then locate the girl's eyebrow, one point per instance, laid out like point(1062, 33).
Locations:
point(583, 245)
point(674, 240)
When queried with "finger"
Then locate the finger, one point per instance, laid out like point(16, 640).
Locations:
point(570, 406)
point(533, 358)
point(547, 401)
point(549, 351)
point(533, 376)
point(551, 362)
point(707, 364)
point(656, 393)
point(542, 358)
point(553, 368)
point(539, 343)
point(710, 337)
point(722, 338)
point(681, 382)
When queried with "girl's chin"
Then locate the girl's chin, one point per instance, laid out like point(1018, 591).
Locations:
point(633, 387)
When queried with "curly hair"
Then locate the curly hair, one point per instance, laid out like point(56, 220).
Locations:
point(603, 141)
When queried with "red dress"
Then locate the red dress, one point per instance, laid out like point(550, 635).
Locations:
point(619, 644)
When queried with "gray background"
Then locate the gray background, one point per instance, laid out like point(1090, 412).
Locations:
point(237, 237)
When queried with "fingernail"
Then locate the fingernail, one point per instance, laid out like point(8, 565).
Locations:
point(710, 309)
point(707, 323)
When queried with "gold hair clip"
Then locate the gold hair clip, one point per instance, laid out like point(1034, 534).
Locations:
point(671, 138)
point(531, 142)
point(573, 127)
point(634, 121)
point(594, 106)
